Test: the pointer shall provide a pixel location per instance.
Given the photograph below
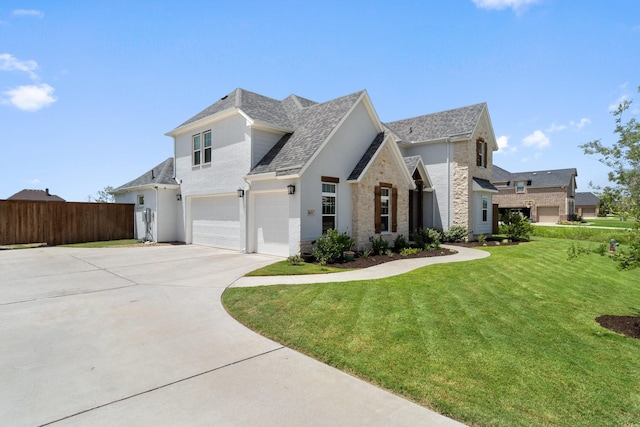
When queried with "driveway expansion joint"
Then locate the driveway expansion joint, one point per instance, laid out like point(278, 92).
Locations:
point(255, 356)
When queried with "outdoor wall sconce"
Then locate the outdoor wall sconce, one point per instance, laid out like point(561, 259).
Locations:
point(291, 189)
point(178, 197)
point(240, 192)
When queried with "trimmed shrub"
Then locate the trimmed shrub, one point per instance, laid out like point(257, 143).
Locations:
point(330, 246)
point(455, 233)
point(400, 243)
point(379, 245)
point(516, 226)
point(426, 237)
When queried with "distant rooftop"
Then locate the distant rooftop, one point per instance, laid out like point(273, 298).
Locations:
point(36, 195)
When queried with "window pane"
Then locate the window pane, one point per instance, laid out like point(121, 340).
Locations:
point(196, 157)
point(384, 207)
point(328, 188)
point(207, 154)
point(328, 205)
point(196, 142)
point(207, 139)
point(385, 223)
point(328, 222)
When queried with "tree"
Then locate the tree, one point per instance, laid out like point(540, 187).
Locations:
point(105, 196)
point(623, 157)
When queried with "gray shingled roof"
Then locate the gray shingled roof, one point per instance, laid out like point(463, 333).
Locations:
point(162, 174)
point(366, 157)
point(36, 195)
point(258, 107)
point(412, 163)
point(314, 124)
point(445, 124)
point(543, 178)
point(587, 199)
point(483, 183)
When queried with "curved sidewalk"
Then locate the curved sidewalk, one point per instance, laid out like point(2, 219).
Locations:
point(380, 271)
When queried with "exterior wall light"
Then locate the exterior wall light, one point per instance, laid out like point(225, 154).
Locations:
point(178, 197)
point(291, 189)
point(240, 192)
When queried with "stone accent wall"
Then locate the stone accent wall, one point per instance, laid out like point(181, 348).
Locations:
point(383, 169)
point(464, 170)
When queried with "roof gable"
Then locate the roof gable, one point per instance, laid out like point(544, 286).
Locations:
point(316, 124)
point(543, 178)
point(161, 174)
point(459, 122)
point(586, 199)
point(36, 195)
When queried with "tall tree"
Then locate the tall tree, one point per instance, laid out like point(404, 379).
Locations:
point(623, 157)
point(105, 196)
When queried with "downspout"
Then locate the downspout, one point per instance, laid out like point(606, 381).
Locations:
point(449, 185)
point(156, 215)
point(247, 229)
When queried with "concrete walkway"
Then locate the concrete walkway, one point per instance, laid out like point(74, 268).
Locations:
point(387, 269)
point(139, 337)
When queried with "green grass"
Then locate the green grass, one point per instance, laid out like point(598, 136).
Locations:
point(610, 222)
point(596, 235)
point(105, 244)
point(283, 268)
point(509, 340)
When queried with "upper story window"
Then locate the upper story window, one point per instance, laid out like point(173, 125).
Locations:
point(329, 192)
point(481, 153)
point(520, 185)
point(202, 148)
point(141, 200)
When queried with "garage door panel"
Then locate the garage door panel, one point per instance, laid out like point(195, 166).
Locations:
point(548, 214)
point(272, 223)
point(215, 221)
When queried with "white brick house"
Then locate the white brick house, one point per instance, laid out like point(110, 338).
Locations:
point(257, 174)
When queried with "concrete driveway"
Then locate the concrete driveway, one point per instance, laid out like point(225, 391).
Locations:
point(138, 336)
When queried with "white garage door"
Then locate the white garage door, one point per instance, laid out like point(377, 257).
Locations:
point(548, 214)
point(272, 223)
point(215, 221)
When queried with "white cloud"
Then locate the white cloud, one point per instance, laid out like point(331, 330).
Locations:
point(34, 181)
point(556, 128)
point(537, 139)
point(503, 145)
point(28, 12)
point(582, 123)
point(30, 97)
point(9, 62)
point(516, 5)
point(617, 102)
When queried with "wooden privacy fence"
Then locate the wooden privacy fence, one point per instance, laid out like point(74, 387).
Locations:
point(58, 223)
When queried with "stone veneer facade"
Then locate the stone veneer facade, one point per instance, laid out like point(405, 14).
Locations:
point(384, 169)
point(464, 170)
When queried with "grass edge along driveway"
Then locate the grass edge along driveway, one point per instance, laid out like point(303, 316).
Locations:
point(508, 340)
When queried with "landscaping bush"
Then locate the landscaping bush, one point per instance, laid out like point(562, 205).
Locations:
point(409, 251)
point(455, 233)
point(379, 245)
point(426, 237)
point(330, 246)
point(400, 243)
point(516, 226)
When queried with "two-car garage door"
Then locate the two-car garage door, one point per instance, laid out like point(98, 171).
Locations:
point(215, 221)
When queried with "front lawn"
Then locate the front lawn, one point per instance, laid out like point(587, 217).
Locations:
point(506, 340)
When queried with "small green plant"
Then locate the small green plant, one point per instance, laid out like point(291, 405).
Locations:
point(516, 226)
point(295, 260)
point(366, 253)
point(482, 238)
point(389, 253)
point(330, 246)
point(409, 251)
point(455, 233)
point(400, 243)
point(379, 245)
point(426, 237)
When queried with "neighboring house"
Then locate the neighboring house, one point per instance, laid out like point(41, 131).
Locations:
point(587, 205)
point(156, 196)
point(262, 175)
point(543, 196)
point(36, 195)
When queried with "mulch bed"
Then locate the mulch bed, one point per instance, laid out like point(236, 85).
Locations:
point(625, 325)
point(371, 260)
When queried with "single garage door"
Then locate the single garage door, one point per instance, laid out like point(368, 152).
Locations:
point(589, 212)
point(215, 221)
point(271, 215)
point(548, 214)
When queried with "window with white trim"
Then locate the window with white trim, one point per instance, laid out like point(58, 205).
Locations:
point(201, 145)
point(141, 200)
point(329, 191)
point(485, 208)
point(520, 187)
point(385, 211)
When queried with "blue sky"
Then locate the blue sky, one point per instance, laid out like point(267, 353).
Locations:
point(88, 89)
